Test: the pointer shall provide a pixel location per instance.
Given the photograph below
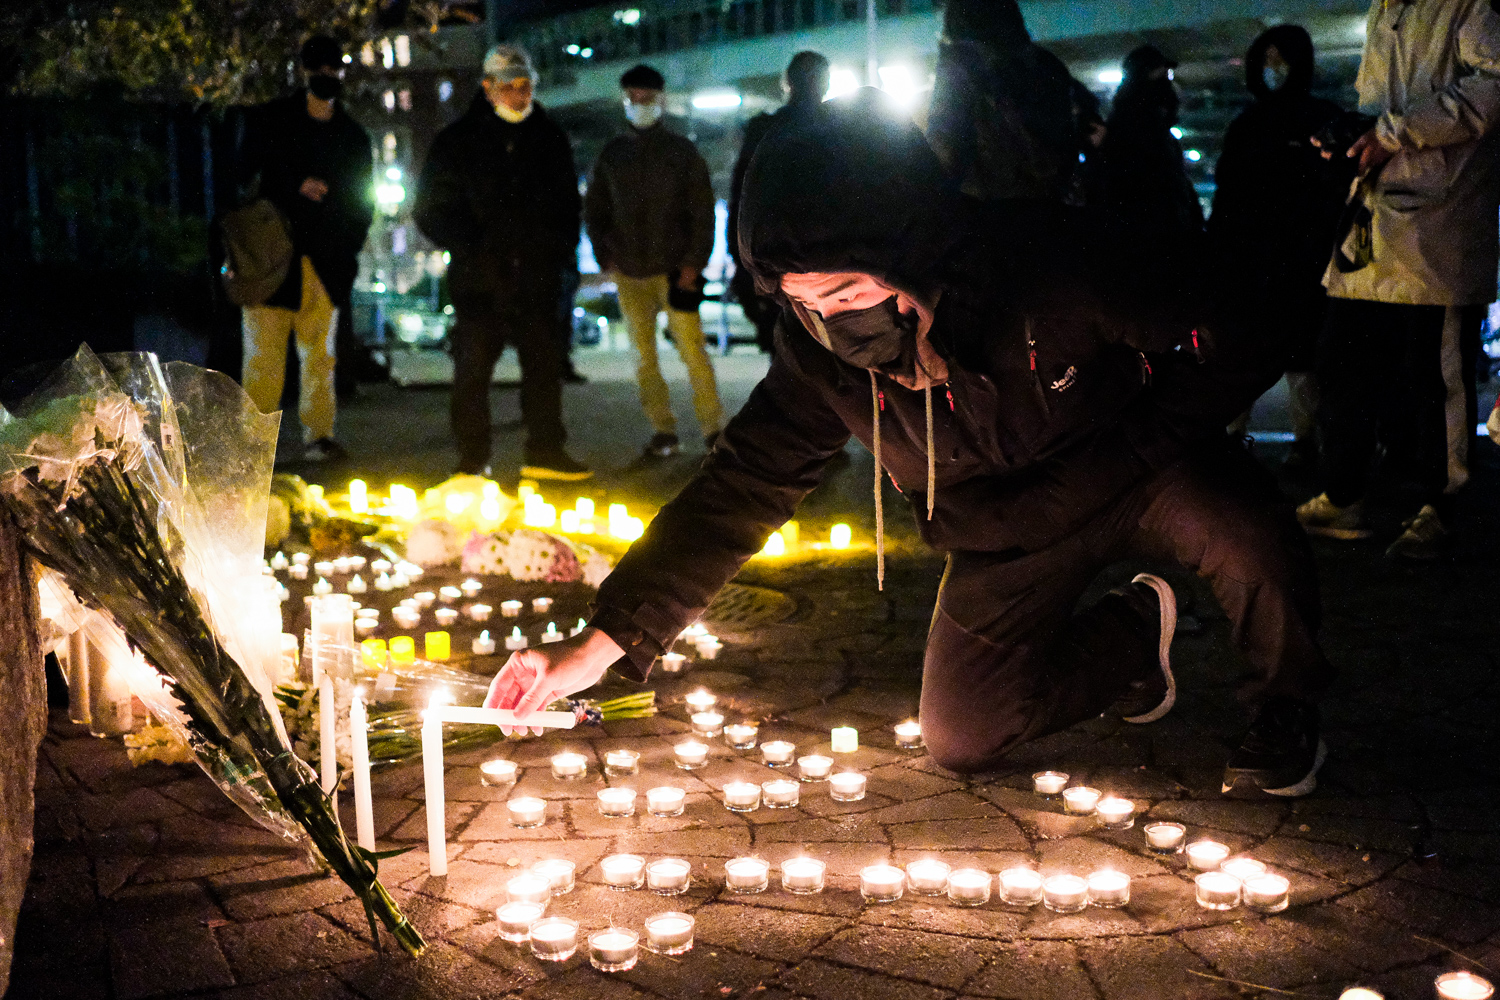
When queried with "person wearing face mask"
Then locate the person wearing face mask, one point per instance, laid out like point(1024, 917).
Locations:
point(309, 157)
point(1275, 209)
point(499, 192)
point(650, 215)
point(1046, 409)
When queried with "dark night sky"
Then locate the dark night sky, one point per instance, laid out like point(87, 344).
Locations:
point(541, 8)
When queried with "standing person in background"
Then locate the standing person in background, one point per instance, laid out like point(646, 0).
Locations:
point(499, 191)
point(1410, 279)
point(650, 215)
point(1141, 176)
point(805, 82)
point(313, 162)
point(1276, 206)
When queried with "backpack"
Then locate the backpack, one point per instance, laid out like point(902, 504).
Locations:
point(258, 252)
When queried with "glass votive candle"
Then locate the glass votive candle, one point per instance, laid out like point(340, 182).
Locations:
point(1217, 890)
point(881, 883)
point(1243, 868)
point(741, 735)
point(781, 793)
point(422, 599)
point(381, 566)
point(746, 875)
point(707, 723)
point(449, 594)
point(470, 587)
point(300, 558)
point(406, 618)
point(814, 767)
point(365, 626)
point(927, 877)
point(742, 796)
point(1020, 887)
point(1463, 986)
point(445, 616)
point(778, 753)
point(619, 763)
point(669, 933)
point(668, 876)
point(1206, 855)
point(700, 701)
point(673, 663)
point(554, 939)
point(324, 567)
point(510, 609)
point(1049, 783)
point(1165, 838)
point(569, 766)
point(1266, 892)
point(1080, 800)
point(526, 812)
point(969, 887)
point(497, 773)
point(623, 871)
point(616, 802)
point(515, 920)
point(845, 739)
point(1065, 893)
point(665, 801)
point(1361, 993)
point(1116, 813)
point(297, 571)
point(558, 872)
point(690, 755)
point(1109, 889)
point(908, 735)
point(479, 612)
point(846, 786)
point(528, 887)
point(614, 949)
point(803, 876)
point(541, 605)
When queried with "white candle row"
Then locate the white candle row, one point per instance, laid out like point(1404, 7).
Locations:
point(610, 949)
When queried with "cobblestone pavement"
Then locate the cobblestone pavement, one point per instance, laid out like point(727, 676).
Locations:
point(147, 882)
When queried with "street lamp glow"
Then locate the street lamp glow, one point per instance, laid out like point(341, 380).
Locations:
point(900, 84)
point(631, 16)
point(841, 81)
point(1193, 155)
point(717, 100)
point(1111, 77)
point(573, 49)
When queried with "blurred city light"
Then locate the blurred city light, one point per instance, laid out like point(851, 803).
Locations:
point(631, 16)
point(587, 53)
point(1176, 132)
point(1111, 77)
point(390, 194)
point(393, 173)
point(716, 100)
point(1193, 155)
point(841, 81)
point(900, 83)
point(573, 49)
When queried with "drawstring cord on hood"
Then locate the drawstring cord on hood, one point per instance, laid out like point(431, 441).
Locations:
point(931, 462)
point(879, 474)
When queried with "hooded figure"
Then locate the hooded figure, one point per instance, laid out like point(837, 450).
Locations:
point(1026, 394)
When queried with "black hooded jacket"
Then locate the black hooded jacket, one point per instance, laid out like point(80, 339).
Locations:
point(1066, 385)
point(1140, 176)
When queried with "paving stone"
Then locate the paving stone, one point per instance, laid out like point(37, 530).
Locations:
point(705, 972)
point(577, 980)
point(1358, 833)
point(843, 859)
point(585, 854)
point(717, 843)
point(904, 781)
point(823, 981)
point(774, 934)
point(1367, 941)
point(1149, 968)
point(1032, 970)
point(88, 981)
point(822, 806)
point(443, 972)
point(150, 961)
point(1256, 819)
point(158, 905)
point(265, 949)
point(1428, 911)
point(1269, 954)
point(276, 889)
point(1330, 861)
point(140, 805)
point(927, 913)
point(949, 805)
point(853, 829)
point(996, 834)
point(941, 959)
point(1082, 855)
point(1478, 881)
point(436, 919)
point(301, 986)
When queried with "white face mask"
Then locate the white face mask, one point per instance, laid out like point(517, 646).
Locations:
point(643, 115)
point(1274, 76)
point(513, 116)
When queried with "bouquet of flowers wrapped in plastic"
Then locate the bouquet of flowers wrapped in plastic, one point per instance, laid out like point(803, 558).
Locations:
point(144, 488)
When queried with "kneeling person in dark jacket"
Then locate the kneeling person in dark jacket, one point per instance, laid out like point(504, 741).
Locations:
point(1046, 415)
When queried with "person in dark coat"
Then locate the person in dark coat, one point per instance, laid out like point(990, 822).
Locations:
point(499, 191)
point(1275, 210)
point(313, 161)
point(1046, 411)
point(805, 82)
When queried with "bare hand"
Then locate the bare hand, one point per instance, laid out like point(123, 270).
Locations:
point(532, 679)
point(313, 189)
point(687, 278)
point(1369, 153)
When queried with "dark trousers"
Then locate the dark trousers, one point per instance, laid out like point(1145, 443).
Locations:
point(478, 337)
point(1009, 660)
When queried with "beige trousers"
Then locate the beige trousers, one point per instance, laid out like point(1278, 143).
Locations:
point(642, 300)
point(266, 330)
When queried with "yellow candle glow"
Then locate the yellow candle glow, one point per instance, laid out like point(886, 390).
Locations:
point(437, 646)
point(840, 536)
point(403, 649)
point(775, 545)
point(359, 497)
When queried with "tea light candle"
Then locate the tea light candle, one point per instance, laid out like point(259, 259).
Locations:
point(778, 753)
point(708, 723)
point(781, 793)
point(365, 626)
point(1217, 890)
point(541, 605)
point(301, 558)
point(1206, 855)
point(576, 629)
point(1243, 868)
point(554, 939)
point(1360, 993)
point(322, 588)
point(881, 883)
point(422, 599)
point(618, 763)
point(558, 872)
point(709, 650)
point(1020, 887)
point(846, 786)
point(617, 802)
point(1165, 838)
point(614, 949)
point(1463, 986)
point(1116, 813)
point(381, 566)
point(746, 875)
point(437, 645)
point(406, 618)
point(357, 585)
point(668, 876)
point(479, 612)
point(1064, 893)
point(802, 876)
point(324, 567)
point(927, 877)
point(470, 587)
point(497, 773)
point(742, 796)
point(510, 609)
point(665, 801)
point(515, 920)
point(969, 887)
point(399, 580)
point(741, 735)
point(1266, 892)
point(623, 871)
point(552, 634)
point(568, 765)
point(484, 644)
point(445, 616)
point(673, 663)
point(1109, 889)
point(515, 640)
point(693, 631)
point(814, 767)
point(528, 887)
point(297, 571)
point(669, 933)
point(279, 561)
point(908, 735)
point(1080, 799)
point(526, 812)
point(700, 700)
point(845, 739)
point(449, 594)
point(691, 755)
point(1049, 783)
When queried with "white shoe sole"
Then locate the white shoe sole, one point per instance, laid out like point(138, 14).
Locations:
point(1307, 784)
point(1168, 602)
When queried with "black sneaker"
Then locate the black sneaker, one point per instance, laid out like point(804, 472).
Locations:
point(1280, 755)
point(555, 465)
point(662, 445)
point(1154, 695)
point(324, 450)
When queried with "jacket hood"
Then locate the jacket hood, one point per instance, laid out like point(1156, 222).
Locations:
point(996, 23)
point(1296, 47)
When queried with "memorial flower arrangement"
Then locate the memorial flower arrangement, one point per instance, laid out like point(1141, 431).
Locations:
point(145, 489)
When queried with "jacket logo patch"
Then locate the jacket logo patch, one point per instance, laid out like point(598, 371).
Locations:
point(1066, 382)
